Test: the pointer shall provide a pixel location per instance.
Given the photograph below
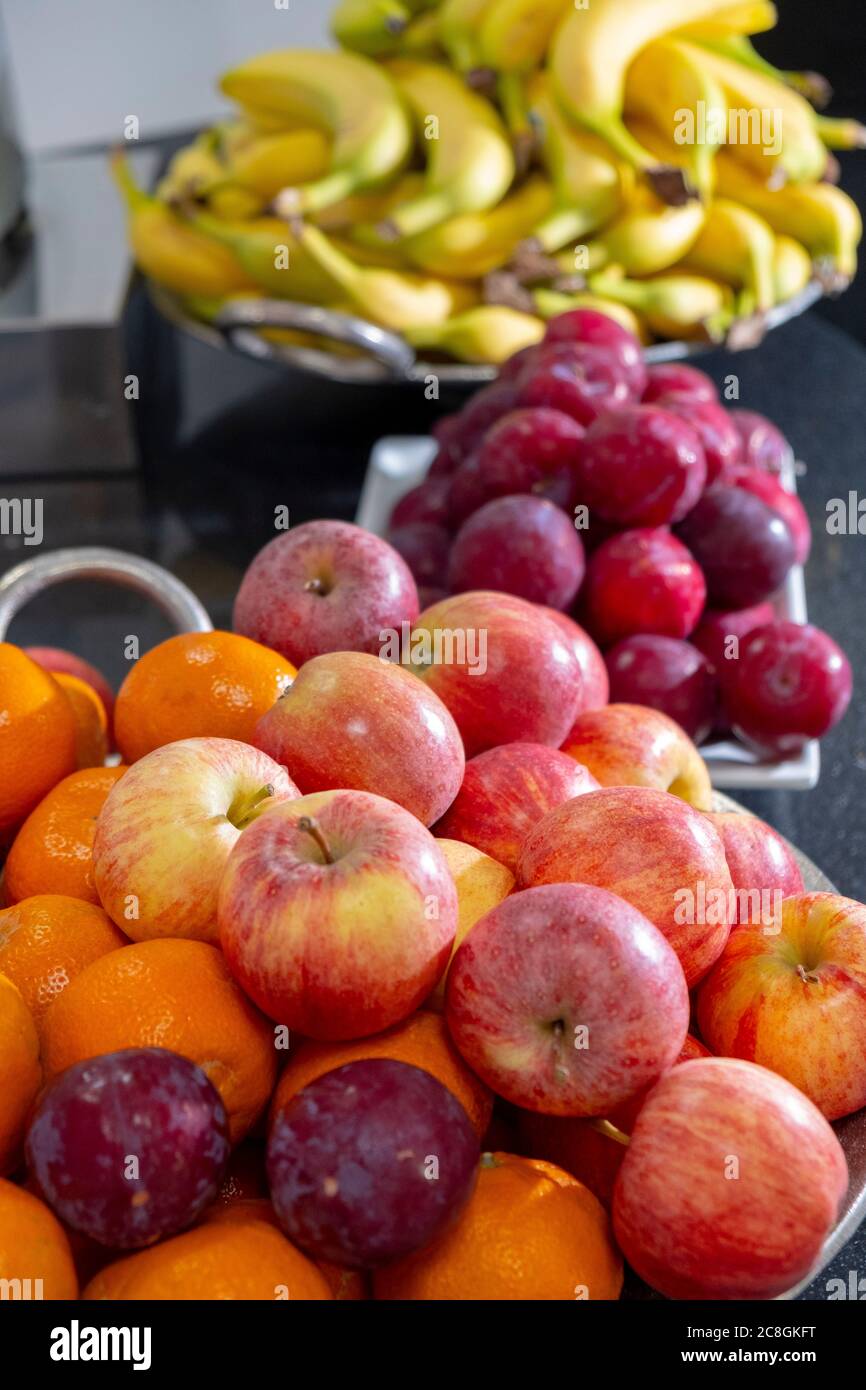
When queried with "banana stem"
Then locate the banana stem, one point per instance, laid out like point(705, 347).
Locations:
point(418, 215)
point(313, 197)
point(561, 226)
point(133, 196)
point(838, 133)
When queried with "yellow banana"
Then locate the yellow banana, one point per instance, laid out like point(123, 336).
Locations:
point(588, 183)
point(751, 17)
point(468, 247)
point(549, 303)
point(648, 236)
point(191, 170)
point(391, 298)
point(459, 23)
point(670, 86)
point(355, 213)
point(345, 95)
point(837, 133)
point(661, 144)
point(470, 164)
point(170, 251)
point(769, 127)
point(271, 257)
point(737, 246)
point(811, 85)
point(371, 27)
point(819, 215)
point(266, 163)
point(792, 269)
point(590, 55)
point(674, 305)
point(491, 333)
point(514, 35)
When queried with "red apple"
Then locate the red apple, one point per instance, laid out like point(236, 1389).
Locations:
point(792, 996)
point(166, 830)
point(730, 1185)
point(763, 868)
point(595, 686)
point(55, 659)
point(652, 849)
point(503, 668)
point(565, 999)
point(352, 720)
point(506, 791)
point(642, 581)
point(635, 746)
point(581, 1147)
point(325, 586)
point(338, 914)
point(520, 545)
point(640, 466)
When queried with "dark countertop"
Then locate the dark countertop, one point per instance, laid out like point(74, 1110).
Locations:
point(224, 441)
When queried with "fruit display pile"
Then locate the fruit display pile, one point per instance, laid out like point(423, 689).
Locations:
point(609, 491)
point(459, 172)
point(393, 961)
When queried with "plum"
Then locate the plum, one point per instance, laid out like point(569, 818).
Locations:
point(641, 466)
point(667, 674)
point(130, 1146)
point(520, 545)
point(370, 1162)
point(744, 547)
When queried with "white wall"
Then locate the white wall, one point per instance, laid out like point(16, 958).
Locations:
point(80, 66)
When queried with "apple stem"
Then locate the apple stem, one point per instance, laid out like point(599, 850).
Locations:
point(611, 1132)
point(312, 827)
point(315, 586)
point(242, 812)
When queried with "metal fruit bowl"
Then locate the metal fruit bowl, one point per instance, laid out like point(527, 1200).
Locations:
point(381, 357)
point(30, 578)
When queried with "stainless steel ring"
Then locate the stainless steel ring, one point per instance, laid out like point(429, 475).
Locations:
point(242, 319)
point(23, 582)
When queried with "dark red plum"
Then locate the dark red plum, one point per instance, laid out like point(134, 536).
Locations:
point(792, 682)
point(642, 581)
point(520, 545)
point(459, 435)
point(762, 444)
point(580, 380)
point(130, 1146)
point(427, 502)
point(640, 466)
point(668, 675)
point(787, 504)
point(425, 548)
point(666, 377)
point(602, 332)
point(744, 548)
point(526, 451)
point(714, 428)
point(370, 1162)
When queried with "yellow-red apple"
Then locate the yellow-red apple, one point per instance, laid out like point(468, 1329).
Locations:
point(653, 849)
point(792, 996)
point(763, 868)
point(506, 791)
point(351, 720)
point(481, 883)
point(635, 746)
point(168, 826)
point(337, 916)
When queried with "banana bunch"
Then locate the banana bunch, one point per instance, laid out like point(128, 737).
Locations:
point(459, 171)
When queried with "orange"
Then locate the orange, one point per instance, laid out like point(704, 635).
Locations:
point(52, 852)
point(219, 1260)
point(530, 1231)
point(346, 1285)
point(197, 685)
point(422, 1040)
point(37, 735)
point(174, 994)
point(46, 941)
point(20, 1072)
point(91, 721)
point(33, 1247)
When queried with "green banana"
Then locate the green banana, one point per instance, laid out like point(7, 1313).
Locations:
point(811, 85)
point(459, 22)
point(468, 247)
point(648, 236)
point(470, 164)
point(350, 98)
point(371, 27)
point(491, 333)
point(271, 257)
point(549, 303)
point(514, 35)
point(674, 305)
point(587, 182)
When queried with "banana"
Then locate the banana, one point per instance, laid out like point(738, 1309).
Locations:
point(811, 85)
point(737, 246)
point(264, 164)
point(514, 35)
point(840, 134)
point(549, 303)
point(588, 184)
point(792, 268)
point(468, 247)
point(674, 305)
point(345, 95)
point(661, 144)
point(750, 17)
point(589, 57)
point(359, 214)
point(191, 170)
point(491, 333)
point(470, 164)
point(271, 257)
point(669, 85)
point(648, 236)
point(822, 217)
point(459, 22)
point(371, 27)
point(171, 252)
point(750, 97)
point(391, 298)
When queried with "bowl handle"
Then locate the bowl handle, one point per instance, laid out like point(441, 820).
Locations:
point(239, 319)
point(23, 582)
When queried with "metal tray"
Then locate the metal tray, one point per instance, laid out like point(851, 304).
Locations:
point(385, 358)
point(398, 463)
